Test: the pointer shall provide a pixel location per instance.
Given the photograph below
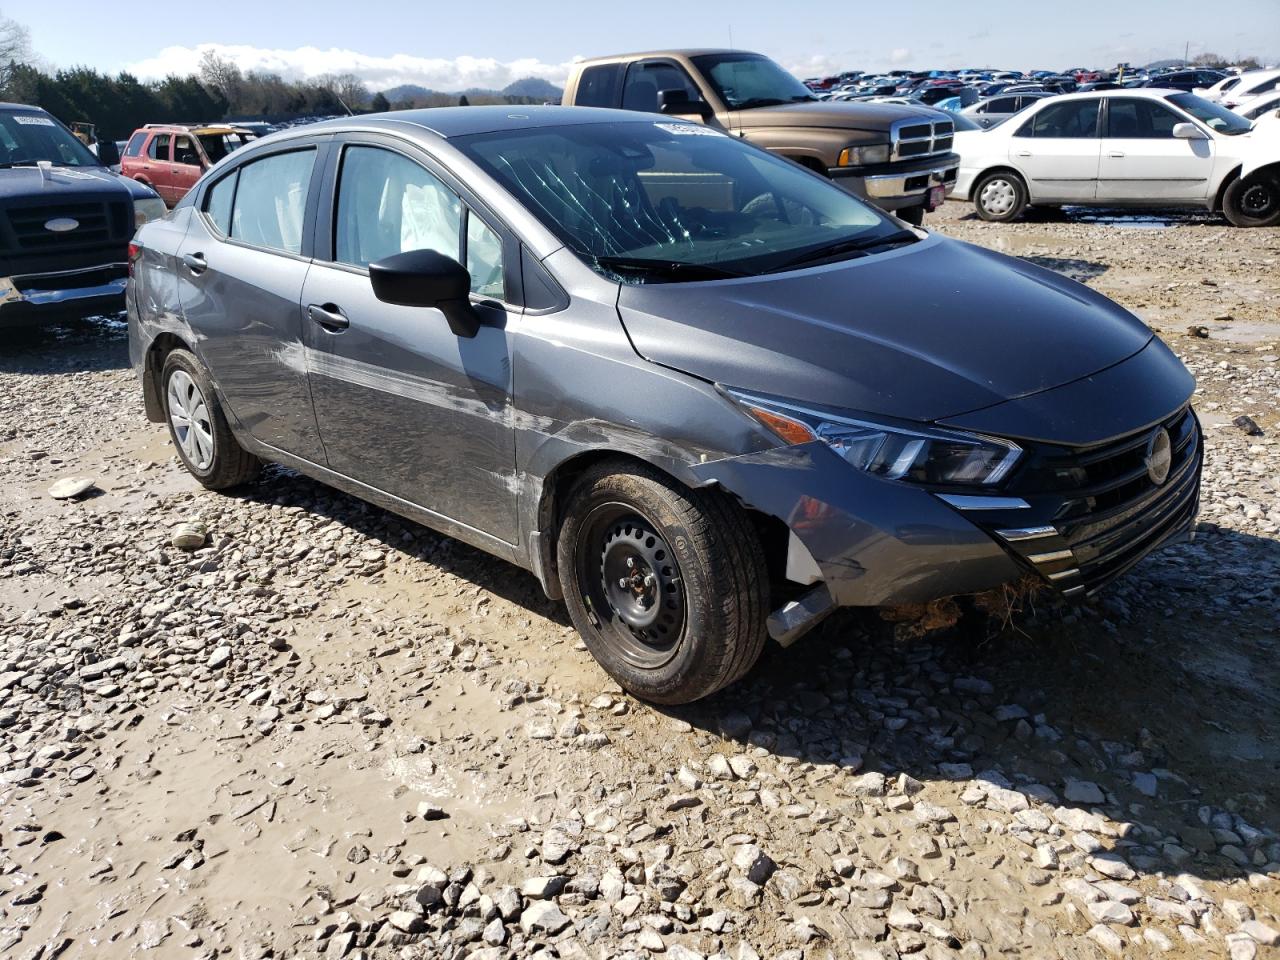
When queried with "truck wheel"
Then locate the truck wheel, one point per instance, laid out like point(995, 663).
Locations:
point(198, 427)
point(912, 215)
point(667, 585)
point(999, 196)
point(1253, 201)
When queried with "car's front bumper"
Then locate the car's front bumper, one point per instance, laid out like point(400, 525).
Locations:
point(36, 298)
point(896, 186)
point(874, 542)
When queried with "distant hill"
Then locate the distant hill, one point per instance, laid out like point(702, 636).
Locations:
point(531, 88)
point(534, 87)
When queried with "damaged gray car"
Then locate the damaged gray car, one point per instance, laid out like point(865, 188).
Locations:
point(702, 394)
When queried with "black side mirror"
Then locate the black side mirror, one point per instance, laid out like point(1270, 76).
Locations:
point(425, 278)
point(677, 103)
point(108, 153)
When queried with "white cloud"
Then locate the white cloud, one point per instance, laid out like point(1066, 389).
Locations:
point(379, 73)
point(900, 55)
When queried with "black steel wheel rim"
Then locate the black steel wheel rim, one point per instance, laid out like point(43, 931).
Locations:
point(632, 585)
point(1258, 201)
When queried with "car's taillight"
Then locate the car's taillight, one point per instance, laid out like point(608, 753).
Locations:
point(135, 251)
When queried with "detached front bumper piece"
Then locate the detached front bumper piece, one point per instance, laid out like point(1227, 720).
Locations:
point(64, 294)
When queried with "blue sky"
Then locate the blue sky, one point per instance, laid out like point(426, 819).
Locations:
point(451, 45)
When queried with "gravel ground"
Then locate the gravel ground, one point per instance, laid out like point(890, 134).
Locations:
point(326, 731)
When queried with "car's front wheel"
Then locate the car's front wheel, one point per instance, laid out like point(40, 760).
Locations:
point(999, 196)
point(667, 586)
point(1253, 201)
point(198, 426)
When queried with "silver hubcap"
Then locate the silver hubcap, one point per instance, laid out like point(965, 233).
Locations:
point(189, 416)
point(998, 197)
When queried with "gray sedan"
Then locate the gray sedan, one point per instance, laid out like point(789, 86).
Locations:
point(990, 112)
point(704, 395)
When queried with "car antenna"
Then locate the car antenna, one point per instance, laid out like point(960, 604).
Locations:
point(344, 106)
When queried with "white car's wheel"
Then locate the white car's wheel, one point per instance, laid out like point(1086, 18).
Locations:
point(999, 196)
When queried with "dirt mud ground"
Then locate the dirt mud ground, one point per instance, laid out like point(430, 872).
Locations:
point(330, 732)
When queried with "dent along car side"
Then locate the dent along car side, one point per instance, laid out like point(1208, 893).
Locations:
point(704, 395)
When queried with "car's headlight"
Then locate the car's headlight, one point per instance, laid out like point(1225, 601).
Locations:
point(147, 209)
point(862, 155)
point(892, 451)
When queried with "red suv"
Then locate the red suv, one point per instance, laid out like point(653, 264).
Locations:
point(170, 158)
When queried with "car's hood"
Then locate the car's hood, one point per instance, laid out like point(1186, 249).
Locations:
point(68, 183)
point(850, 115)
point(923, 332)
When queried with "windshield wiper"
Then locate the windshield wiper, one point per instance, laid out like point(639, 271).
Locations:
point(670, 269)
point(759, 102)
point(852, 245)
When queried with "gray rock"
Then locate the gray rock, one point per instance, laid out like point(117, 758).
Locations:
point(1083, 791)
point(543, 917)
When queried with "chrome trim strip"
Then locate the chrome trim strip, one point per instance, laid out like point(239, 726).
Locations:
point(965, 502)
point(1052, 557)
point(1027, 533)
point(1062, 575)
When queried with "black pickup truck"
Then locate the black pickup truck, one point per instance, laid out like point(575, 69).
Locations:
point(65, 221)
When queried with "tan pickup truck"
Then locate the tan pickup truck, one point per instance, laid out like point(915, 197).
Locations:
point(897, 156)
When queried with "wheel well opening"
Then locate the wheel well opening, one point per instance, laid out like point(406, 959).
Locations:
point(1229, 179)
point(812, 163)
point(153, 364)
point(772, 532)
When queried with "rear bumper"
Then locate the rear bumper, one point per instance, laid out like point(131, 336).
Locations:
point(898, 185)
point(36, 298)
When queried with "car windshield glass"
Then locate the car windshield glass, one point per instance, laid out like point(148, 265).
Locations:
point(1216, 118)
point(663, 201)
point(744, 81)
point(671, 201)
point(27, 138)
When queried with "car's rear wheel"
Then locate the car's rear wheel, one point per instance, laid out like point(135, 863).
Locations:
point(1253, 201)
point(667, 585)
point(198, 426)
point(999, 196)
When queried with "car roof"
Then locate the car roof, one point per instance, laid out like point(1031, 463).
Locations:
point(686, 52)
point(449, 122)
point(1144, 93)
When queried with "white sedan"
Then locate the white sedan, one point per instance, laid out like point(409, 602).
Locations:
point(1115, 148)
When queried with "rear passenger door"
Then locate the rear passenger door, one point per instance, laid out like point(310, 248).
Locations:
point(156, 167)
point(1056, 149)
point(243, 263)
point(404, 404)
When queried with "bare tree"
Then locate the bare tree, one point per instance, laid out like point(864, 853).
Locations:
point(15, 49)
point(220, 74)
point(347, 87)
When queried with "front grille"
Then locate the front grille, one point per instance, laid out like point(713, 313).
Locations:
point(97, 223)
point(912, 140)
point(1106, 512)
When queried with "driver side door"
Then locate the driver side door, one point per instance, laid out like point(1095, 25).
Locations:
point(403, 404)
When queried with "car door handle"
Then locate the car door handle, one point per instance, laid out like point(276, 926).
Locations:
point(1023, 153)
point(195, 262)
point(328, 316)
point(1116, 153)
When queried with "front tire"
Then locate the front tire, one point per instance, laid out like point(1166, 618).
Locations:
point(666, 585)
point(1000, 196)
point(1253, 201)
point(198, 427)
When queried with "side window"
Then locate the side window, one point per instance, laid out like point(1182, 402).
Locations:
point(217, 203)
point(388, 204)
point(1072, 119)
point(135, 144)
point(484, 259)
point(1139, 120)
point(646, 80)
point(598, 86)
point(271, 200)
point(159, 148)
point(1003, 105)
point(184, 151)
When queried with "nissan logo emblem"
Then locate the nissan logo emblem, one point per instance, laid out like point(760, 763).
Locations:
point(61, 224)
point(1159, 457)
